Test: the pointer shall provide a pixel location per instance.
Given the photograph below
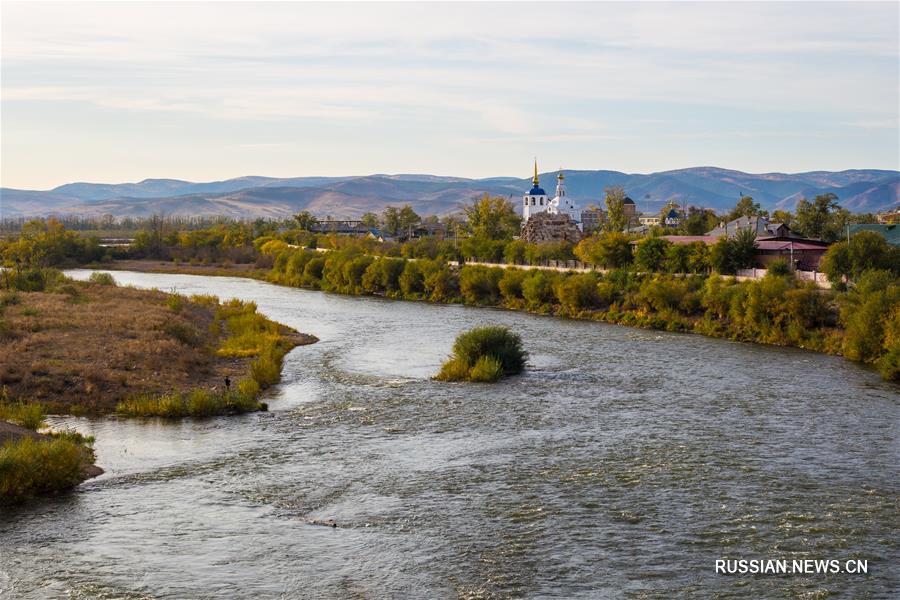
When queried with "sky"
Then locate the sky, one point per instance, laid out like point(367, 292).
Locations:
point(117, 92)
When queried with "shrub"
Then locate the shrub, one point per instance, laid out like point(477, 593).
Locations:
point(441, 284)
point(453, 370)
point(185, 334)
point(498, 342)
point(266, 369)
point(25, 414)
point(486, 369)
point(537, 289)
point(412, 280)
point(480, 285)
point(102, 279)
point(578, 292)
point(779, 268)
point(29, 467)
point(510, 285)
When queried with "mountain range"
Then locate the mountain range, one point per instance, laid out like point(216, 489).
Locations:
point(859, 190)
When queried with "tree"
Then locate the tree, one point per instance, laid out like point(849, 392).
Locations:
point(746, 207)
point(305, 220)
point(370, 219)
point(493, 218)
point(611, 250)
point(744, 248)
point(822, 218)
point(390, 220)
point(783, 216)
point(698, 221)
point(407, 219)
point(650, 253)
point(616, 219)
point(866, 251)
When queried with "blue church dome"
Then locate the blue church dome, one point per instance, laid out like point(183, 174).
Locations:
point(536, 191)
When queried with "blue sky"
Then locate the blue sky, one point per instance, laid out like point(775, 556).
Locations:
point(121, 92)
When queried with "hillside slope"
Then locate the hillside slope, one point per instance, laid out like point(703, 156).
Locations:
point(861, 190)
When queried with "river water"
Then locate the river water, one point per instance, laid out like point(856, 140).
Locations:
point(622, 464)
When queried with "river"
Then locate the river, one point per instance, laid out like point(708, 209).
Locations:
point(623, 463)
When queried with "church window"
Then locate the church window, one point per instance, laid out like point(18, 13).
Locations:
point(542, 201)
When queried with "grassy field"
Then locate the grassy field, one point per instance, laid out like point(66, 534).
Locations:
point(84, 348)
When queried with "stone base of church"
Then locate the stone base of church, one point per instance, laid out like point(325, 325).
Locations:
point(547, 227)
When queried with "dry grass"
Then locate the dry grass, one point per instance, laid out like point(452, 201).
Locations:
point(86, 355)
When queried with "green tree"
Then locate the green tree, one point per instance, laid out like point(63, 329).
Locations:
point(305, 220)
point(746, 207)
point(611, 250)
point(866, 251)
point(390, 220)
point(822, 218)
point(370, 219)
point(407, 219)
point(650, 253)
point(493, 218)
point(699, 221)
point(616, 219)
point(744, 248)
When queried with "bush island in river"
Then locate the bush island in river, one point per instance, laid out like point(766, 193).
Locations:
point(484, 354)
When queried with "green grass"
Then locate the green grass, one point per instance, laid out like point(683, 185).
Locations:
point(29, 467)
point(196, 403)
point(24, 414)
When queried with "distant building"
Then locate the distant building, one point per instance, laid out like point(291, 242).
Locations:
point(554, 214)
point(353, 228)
point(535, 200)
point(890, 232)
point(673, 218)
point(592, 219)
point(630, 209)
point(760, 225)
point(649, 220)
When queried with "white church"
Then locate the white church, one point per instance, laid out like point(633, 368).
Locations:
point(536, 200)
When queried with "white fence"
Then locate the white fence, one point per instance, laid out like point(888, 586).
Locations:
point(816, 277)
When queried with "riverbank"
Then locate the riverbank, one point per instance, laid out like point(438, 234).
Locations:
point(249, 270)
point(87, 348)
point(776, 310)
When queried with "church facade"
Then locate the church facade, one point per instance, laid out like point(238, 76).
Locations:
point(536, 201)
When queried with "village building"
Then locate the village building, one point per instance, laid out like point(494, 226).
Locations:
point(760, 225)
point(592, 219)
point(649, 220)
point(773, 241)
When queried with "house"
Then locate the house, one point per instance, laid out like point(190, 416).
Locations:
point(761, 225)
point(592, 219)
point(649, 220)
point(804, 254)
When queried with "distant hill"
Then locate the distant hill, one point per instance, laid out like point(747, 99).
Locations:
point(859, 190)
